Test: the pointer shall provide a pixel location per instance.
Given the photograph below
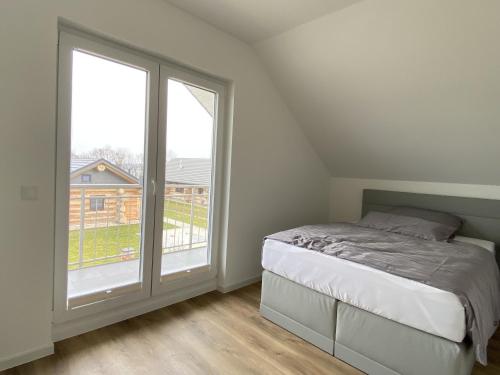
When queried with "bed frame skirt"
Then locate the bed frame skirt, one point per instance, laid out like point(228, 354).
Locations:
point(371, 343)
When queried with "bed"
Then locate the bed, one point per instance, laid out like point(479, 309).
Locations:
point(394, 326)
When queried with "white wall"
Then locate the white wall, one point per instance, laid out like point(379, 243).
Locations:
point(277, 180)
point(251, 21)
point(346, 193)
point(397, 89)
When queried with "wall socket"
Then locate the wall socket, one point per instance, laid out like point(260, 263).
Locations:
point(29, 193)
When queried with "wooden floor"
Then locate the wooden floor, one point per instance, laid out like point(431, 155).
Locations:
point(210, 334)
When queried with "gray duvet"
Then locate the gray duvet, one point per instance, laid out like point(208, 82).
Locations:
point(471, 273)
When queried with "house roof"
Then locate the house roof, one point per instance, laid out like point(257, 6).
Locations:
point(79, 166)
point(192, 171)
point(204, 97)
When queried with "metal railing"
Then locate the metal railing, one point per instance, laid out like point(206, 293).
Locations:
point(105, 226)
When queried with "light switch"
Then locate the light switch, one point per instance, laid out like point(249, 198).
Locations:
point(29, 193)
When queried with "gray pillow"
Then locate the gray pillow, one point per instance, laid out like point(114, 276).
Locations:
point(429, 215)
point(408, 226)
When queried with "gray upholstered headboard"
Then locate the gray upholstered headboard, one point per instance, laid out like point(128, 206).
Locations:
point(481, 216)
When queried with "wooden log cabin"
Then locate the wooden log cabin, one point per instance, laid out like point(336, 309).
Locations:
point(103, 194)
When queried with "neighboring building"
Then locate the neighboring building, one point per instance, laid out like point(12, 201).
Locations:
point(188, 178)
point(107, 194)
point(188, 171)
point(101, 193)
point(99, 172)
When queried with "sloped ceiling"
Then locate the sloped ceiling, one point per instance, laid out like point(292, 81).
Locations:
point(255, 20)
point(395, 89)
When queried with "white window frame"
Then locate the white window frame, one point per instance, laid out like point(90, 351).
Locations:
point(65, 310)
point(153, 291)
point(177, 280)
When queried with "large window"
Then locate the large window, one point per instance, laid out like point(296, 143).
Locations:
point(127, 233)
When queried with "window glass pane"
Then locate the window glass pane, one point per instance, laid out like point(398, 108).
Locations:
point(190, 129)
point(86, 178)
point(108, 122)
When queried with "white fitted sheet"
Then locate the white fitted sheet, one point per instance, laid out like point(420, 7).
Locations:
point(405, 301)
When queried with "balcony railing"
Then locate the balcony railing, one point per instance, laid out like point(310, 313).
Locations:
point(105, 224)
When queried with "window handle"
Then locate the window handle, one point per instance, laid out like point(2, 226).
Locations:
point(153, 184)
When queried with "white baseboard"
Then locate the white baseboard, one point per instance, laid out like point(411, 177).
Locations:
point(239, 284)
point(65, 330)
point(27, 356)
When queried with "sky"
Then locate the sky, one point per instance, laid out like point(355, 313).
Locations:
point(108, 109)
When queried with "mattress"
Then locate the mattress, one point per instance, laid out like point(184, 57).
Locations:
point(405, 301)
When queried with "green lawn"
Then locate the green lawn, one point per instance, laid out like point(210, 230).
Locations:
point(181, 211)
point(110, 241)
point(102, 242)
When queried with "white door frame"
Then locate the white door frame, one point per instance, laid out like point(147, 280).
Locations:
point(209, 272)
point(152, 292)
point(69, 41)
